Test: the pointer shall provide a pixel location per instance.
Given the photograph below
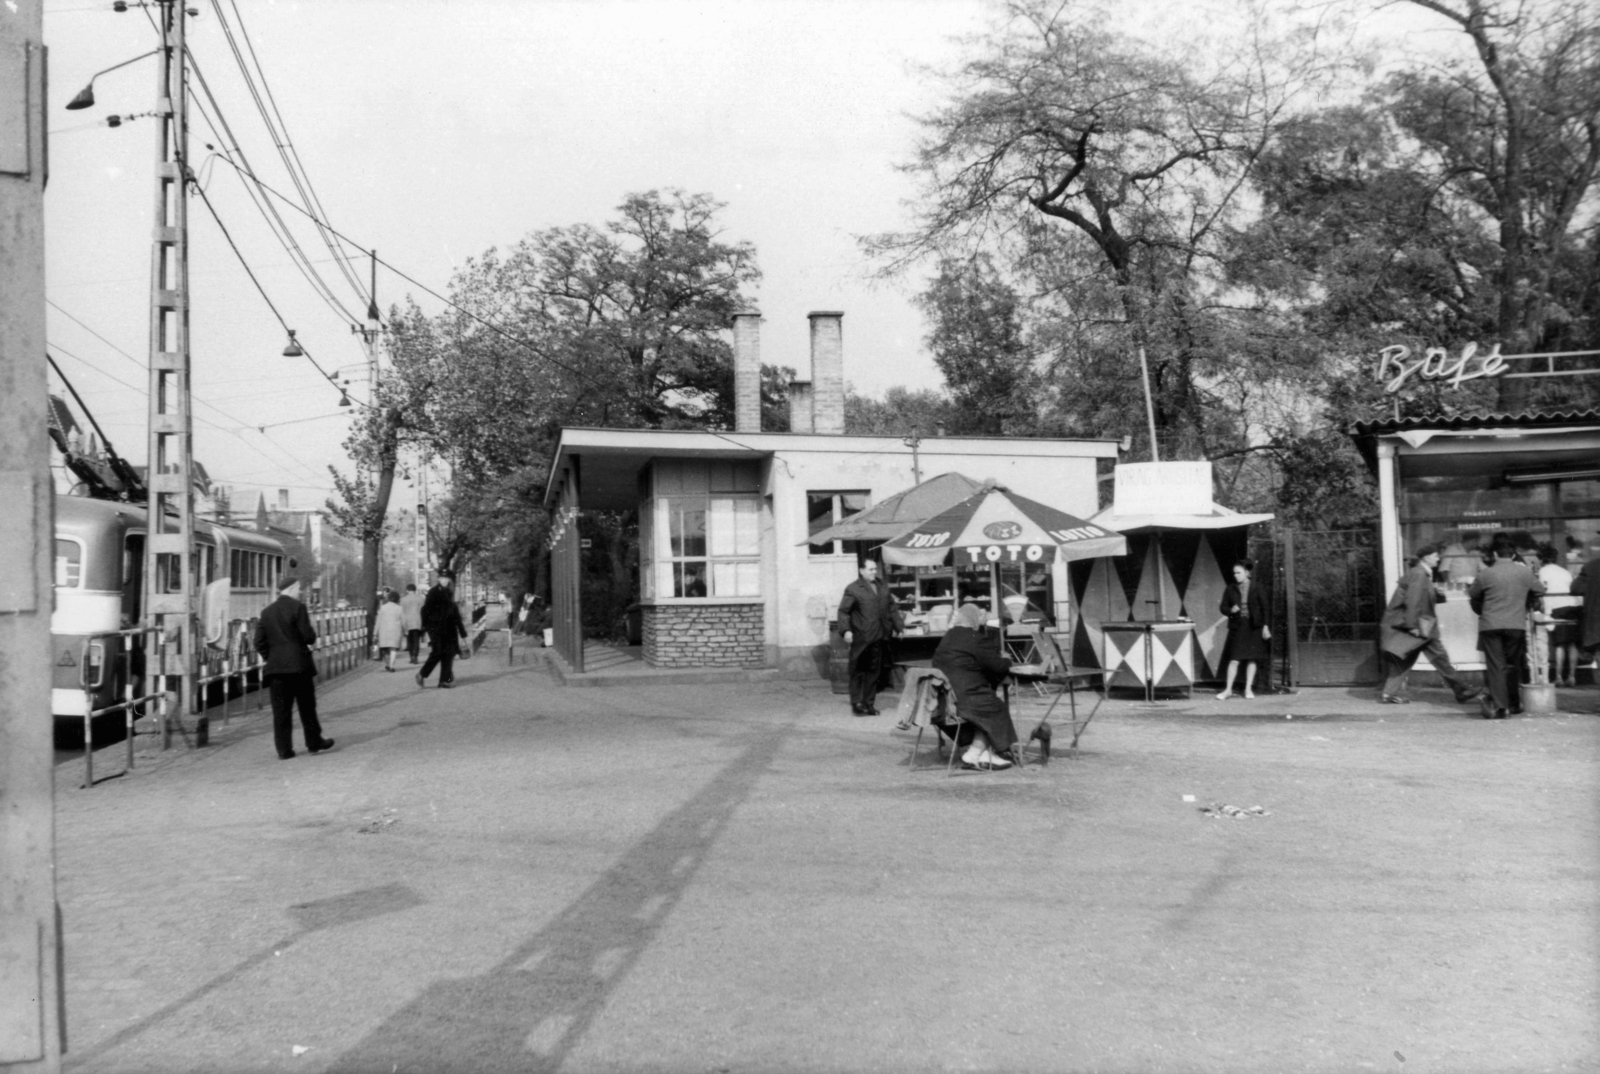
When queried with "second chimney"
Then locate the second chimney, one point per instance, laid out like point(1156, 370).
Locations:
point(827, 372)
point(283, 499)
point(747, 372)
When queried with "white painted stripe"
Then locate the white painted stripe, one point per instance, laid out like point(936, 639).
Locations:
point(86, 611)
point(64, 702)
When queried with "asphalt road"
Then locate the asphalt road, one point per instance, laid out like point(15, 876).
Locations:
point(513, 876)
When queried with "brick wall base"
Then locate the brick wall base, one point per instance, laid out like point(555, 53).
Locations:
point(704, 636)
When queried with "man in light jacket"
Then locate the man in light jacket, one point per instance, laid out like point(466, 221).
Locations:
point(1409, 623)
point(1501, 596)
point(411, 619)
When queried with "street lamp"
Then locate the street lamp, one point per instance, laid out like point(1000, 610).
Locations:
point(85, 97)
point(293, 349)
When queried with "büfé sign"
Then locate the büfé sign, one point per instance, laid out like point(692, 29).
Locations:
point(1397, 365)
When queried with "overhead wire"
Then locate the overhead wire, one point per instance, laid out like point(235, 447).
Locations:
point(296, 168)
point(205, 421)
point(269, 212)
point(512, 337)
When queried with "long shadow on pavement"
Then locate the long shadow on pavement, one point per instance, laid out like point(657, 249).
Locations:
point(309, 917)
point(528, 1012)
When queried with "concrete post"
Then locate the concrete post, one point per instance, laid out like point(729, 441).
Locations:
point(747, 372)
point(31, 1027)
point(827, 372)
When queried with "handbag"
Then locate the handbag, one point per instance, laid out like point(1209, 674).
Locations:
point(1401, 644)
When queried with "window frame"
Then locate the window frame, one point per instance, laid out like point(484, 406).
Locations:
point(663, 580)
point(841, 548)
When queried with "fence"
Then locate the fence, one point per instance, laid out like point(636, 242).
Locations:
point(230, 670)
point(1334, 585)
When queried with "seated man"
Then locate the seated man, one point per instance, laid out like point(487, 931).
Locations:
point(975, 666)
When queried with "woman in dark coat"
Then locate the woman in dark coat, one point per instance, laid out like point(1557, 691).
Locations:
point(975, 667)
point(1249, 633)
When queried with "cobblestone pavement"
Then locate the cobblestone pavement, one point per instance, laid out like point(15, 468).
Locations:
point(512, 876)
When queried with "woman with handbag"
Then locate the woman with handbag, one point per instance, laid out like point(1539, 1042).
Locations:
point(1249, 631)
point(1411, 629)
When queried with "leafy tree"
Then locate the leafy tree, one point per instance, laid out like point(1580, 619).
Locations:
point(977, 342)
point(1514, 134)
point(1106, 170)
point(900, 412)
point(619, 325)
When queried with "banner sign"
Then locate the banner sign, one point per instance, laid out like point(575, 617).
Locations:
point(1396, 366)
point(1163, 488)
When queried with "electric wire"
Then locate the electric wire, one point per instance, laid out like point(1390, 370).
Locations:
point(329, 377)
point(204, 421)
point(275, 221)
point(308, 193)
point(222, 130)
point(512, 337)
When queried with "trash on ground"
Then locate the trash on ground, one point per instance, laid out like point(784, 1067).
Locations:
point(1188, 798)
point(371, 825)
point(299, 1049)
point(1215, 811)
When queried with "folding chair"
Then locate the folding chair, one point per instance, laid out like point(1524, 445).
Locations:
point(931, 705)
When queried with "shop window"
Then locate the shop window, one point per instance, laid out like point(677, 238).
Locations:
point(824, 509)
point(69, 564)
point(706, 547)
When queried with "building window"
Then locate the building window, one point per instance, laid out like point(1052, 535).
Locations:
point(824, 509)
point(708, 546)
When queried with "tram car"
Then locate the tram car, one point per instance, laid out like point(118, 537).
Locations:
point(99, 587)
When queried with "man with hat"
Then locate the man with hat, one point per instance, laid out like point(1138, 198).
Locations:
point(284, 636)
point(1410, 628)
point(441, 618)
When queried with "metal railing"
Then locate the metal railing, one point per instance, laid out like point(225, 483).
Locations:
point(340, 647)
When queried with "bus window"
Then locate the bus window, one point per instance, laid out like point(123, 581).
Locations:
point(132, 577)
point(69, 563)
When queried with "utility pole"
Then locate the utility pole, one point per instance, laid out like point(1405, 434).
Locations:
point(372, 530)
point(32, 1021)
point(171, 565)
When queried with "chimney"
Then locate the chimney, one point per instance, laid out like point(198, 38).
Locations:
point(800, 406)
point(747, 372)
point(283, 499)
point(827, 372)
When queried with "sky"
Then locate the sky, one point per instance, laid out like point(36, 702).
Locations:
point(432, 131)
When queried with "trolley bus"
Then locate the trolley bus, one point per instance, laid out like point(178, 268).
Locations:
point(99, 587)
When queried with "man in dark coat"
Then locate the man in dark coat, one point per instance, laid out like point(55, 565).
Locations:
point(868, 618)
point(975, 666)
point(1410, 629)
point(441, 618)
point(284, 636)
point(1501, 596)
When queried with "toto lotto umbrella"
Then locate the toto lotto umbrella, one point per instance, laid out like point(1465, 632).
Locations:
point(995, 526)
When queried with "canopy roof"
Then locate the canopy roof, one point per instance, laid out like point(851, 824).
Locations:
point(1218, 518)
point(898, 513)
point(995, 523)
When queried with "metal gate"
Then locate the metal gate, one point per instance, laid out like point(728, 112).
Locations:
point(1333, 585)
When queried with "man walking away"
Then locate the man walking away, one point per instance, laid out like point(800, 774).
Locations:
point(1411, 629)
point(284, 636)
point(411, 619)
point(868, 618)
point(442, 620)
point(1501, 595)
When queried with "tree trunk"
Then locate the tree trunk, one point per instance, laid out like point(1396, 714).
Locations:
point(372, 537)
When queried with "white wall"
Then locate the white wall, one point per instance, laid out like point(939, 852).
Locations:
point(808, 588)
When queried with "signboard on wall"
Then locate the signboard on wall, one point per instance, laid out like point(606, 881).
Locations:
point(1163, 488)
